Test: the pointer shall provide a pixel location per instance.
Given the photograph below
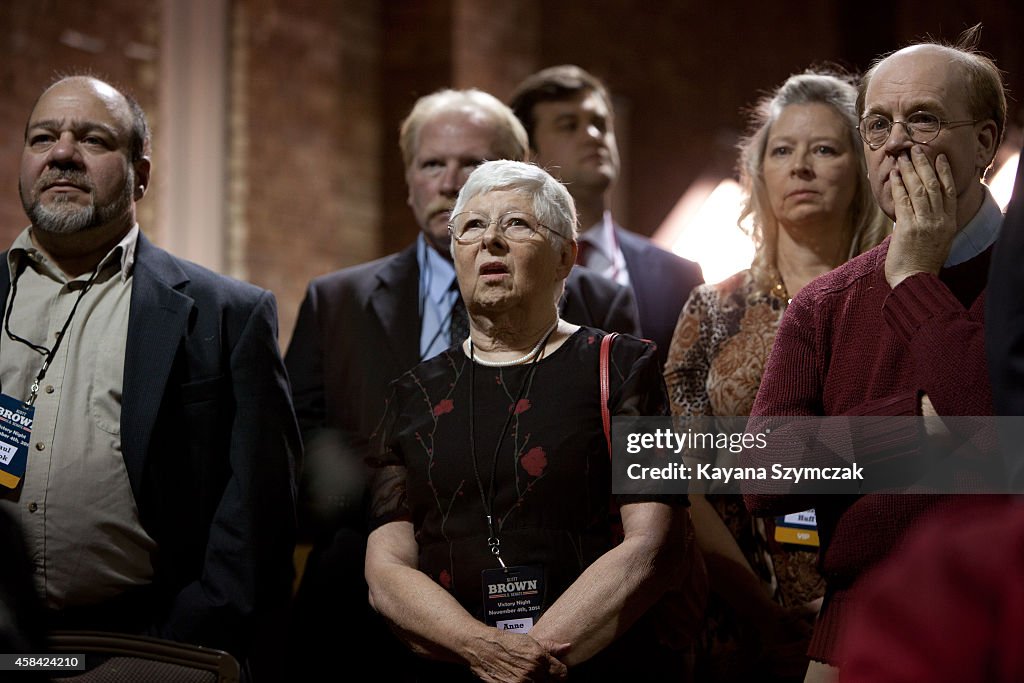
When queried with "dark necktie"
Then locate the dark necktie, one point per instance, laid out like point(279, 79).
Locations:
point(459, 327)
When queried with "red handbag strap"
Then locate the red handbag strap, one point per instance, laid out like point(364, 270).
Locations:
point(606, 418)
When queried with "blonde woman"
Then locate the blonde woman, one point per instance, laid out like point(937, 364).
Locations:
point(803, 170)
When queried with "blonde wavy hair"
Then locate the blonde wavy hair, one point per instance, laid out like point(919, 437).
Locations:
point(814, 86)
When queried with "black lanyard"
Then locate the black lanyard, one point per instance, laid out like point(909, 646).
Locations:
point(493, 542)
point(48, 354)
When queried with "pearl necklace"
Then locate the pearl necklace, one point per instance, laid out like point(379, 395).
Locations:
point(518, 361)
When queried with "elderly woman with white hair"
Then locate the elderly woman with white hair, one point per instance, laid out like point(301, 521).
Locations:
point(492, 553)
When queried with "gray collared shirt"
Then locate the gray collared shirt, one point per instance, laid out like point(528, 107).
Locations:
point(75, 503)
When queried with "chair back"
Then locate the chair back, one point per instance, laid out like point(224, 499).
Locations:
point(127, 658)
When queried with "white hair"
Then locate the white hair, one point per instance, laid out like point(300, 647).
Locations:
point(552, 204)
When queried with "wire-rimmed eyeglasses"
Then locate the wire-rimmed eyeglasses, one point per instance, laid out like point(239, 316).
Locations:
point(469, 226)
point(922, 127)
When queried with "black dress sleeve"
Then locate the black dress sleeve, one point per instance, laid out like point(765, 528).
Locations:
point(388, 474)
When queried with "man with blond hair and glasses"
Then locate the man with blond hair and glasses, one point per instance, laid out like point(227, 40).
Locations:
point(897, 331)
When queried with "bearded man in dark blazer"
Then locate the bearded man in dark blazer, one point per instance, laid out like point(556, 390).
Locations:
point(158, 491)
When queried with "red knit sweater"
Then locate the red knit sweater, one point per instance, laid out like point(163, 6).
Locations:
point(946, 608)
point(850, 345)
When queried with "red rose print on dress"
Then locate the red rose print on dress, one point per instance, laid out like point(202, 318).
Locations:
point(445, 405)
point(521, 407)
point(445, 579)
point(534, 461)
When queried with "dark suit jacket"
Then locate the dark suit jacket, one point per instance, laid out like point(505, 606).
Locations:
point(359, 328)
point(1004, 309)
point(1004, 332)
point(209, 441)
point(22, 616)
point(661, 283)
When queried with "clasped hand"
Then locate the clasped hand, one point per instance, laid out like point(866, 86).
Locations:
point(509, 657)
point(924, 199)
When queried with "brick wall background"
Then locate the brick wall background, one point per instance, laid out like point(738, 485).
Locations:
point(44, 39)
point(317, 90)
point(312, 134)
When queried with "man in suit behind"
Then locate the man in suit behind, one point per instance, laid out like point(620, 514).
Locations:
point(156, 482)
point(361, 327)
point(568, 116)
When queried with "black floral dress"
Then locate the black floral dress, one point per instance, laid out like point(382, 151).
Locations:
point(551, 471)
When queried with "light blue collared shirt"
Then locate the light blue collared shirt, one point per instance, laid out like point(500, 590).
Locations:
point(437, 294)
point(979, 234)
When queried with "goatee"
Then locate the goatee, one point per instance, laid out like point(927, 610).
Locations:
point(61, 216)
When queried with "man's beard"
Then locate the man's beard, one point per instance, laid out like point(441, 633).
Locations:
point(63, 216)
